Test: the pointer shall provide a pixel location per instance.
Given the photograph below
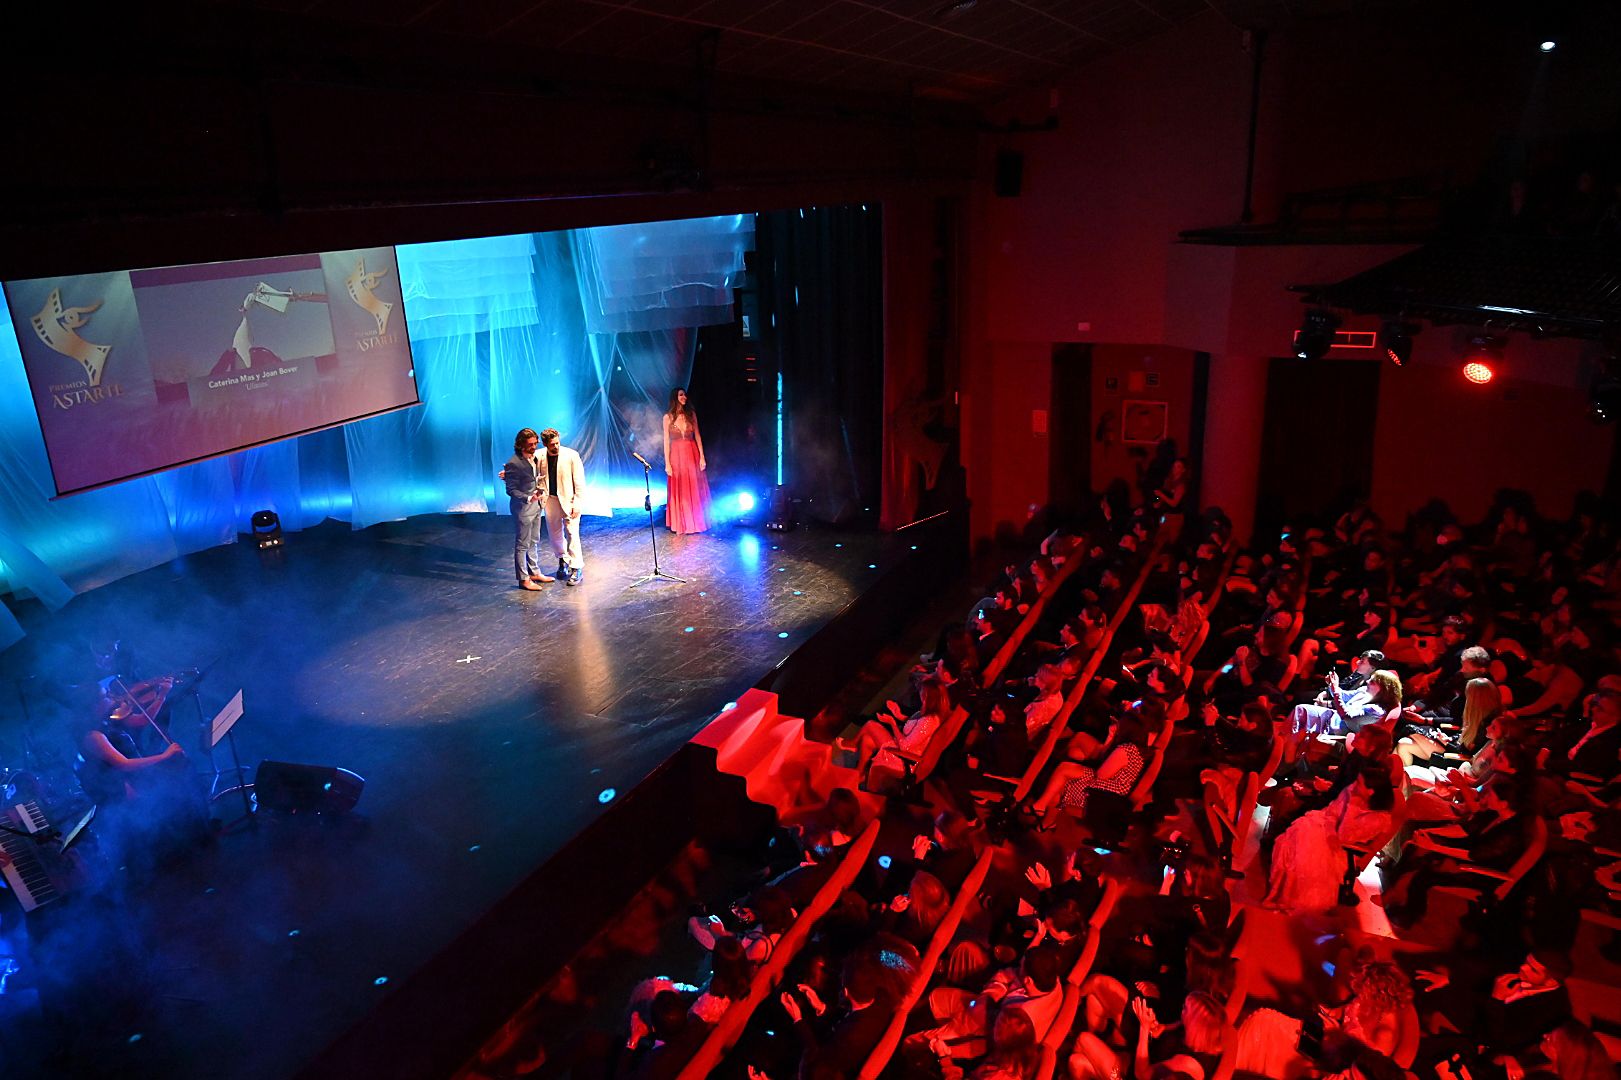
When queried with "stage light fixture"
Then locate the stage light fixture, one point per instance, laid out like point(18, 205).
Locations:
point(780, 514)
point(745, 502)
point(1482, 359)
point(1396, 340)
point(1548, 46)
point(1606, 400)
point(266, 529)
point(1316, 334)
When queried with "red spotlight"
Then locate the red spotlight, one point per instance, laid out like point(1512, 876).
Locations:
point(1481, 359)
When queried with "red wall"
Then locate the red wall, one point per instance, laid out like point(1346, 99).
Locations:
point(1131, 367)
point(1151, 141)
point(1438, 433)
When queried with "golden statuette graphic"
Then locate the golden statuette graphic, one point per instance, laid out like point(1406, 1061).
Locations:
point(361, 285)
point(57, 327)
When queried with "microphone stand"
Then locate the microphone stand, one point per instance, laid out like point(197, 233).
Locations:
point(652, 532)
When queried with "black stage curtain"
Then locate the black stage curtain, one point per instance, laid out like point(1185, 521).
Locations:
point(819, 273)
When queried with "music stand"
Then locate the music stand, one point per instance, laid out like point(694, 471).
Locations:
point(652, 532)
point(223, 726)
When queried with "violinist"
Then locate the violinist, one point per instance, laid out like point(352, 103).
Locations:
point(113, 769)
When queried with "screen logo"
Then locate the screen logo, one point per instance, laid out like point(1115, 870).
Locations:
point(58, 328)
point(360, 285)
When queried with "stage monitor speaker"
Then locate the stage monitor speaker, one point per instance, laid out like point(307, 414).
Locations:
point(306, 789)
point(1009, 173)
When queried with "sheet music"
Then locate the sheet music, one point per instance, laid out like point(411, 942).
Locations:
point(227, 717)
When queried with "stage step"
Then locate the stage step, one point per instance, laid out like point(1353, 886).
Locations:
point(780, 767)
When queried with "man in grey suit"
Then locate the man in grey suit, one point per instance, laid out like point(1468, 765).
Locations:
point(525, 476)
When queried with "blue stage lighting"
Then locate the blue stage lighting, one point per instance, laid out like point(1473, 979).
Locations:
point(745, 502)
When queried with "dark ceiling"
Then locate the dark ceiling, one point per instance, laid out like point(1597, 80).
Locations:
point(975, 51)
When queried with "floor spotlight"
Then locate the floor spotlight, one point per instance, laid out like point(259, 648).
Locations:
point(266, 529)
point(1606, 400)
point(1478, 372)
point(1396, 339)
point(1548, 46)
point(1316, 334)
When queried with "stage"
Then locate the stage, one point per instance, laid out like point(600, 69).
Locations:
point(492, 726)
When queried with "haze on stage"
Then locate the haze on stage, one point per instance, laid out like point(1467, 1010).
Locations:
point(137, 371)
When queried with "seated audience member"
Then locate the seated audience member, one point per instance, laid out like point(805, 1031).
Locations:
point(965, 1018)
point(1481, 703)
point(1380, 1014)
point(883, 736)
point(1493, 836)
point(1116, 772)
point(863, 1013)
point(1592, 749)
point(728, 981)
point(1015, 1051)
point(1559, 684)
point(1448, 697)
point(1308, 861)
point(661, 1048)
point(1197, 1038)
point(914, 914)
point(1509, 1013)
point(1570, 1052)
point(769, 914)
point(1370, 748)
point(1232, 751)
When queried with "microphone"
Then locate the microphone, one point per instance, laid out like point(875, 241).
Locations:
point(641, 459)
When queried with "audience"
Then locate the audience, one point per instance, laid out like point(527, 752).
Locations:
point(1168, 692)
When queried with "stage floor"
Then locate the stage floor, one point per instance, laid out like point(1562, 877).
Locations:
point(491, 725)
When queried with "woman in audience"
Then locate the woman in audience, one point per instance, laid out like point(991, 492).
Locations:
point(1573, 1052)
point(1198, 1036)
point(1092, 1059)
point(1481, 704)
point(728, 981)
point(1370, 749)
point(1234, 749)
point(1308, 861)
point(919, 910)
point(1380, 1014)
point(1072, 782)
point(1015, 1052)
point(911, 736)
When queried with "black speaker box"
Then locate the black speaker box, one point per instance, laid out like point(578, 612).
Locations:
point(306, 789)
point(1009, 173)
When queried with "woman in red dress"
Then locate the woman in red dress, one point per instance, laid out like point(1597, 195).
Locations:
point(686, 506)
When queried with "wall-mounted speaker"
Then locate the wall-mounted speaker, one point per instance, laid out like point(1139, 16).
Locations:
point(306, 789)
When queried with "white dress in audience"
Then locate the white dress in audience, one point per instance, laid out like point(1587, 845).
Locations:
point(1308, 862)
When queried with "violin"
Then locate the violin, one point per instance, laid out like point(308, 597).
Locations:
point(145, 698)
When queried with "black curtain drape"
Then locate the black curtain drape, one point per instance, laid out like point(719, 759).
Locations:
point(819, 273)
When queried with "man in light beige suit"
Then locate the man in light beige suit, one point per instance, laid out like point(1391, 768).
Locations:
point(564, 493)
